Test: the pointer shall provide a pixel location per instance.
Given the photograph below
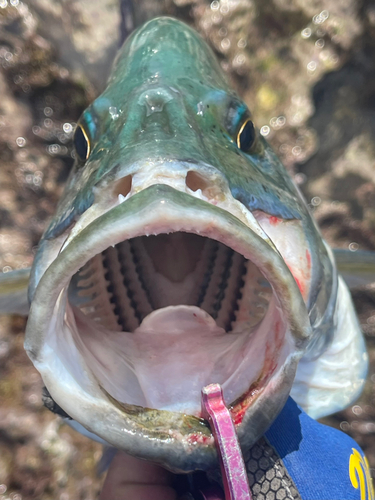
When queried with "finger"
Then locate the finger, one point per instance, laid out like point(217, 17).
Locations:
point(129, 478)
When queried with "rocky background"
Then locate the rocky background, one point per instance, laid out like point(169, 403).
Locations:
point(306, 68)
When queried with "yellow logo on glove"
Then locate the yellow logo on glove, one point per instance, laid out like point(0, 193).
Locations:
point(360, 477)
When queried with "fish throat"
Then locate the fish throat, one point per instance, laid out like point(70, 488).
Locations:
point(121, 286)
point(157, 317)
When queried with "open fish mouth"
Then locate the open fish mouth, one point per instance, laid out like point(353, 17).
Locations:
point(157, 295)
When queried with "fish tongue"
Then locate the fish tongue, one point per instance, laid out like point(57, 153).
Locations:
point(176, 347)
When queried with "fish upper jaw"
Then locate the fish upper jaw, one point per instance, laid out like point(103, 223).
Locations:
point(65, 345)
point(199, 180)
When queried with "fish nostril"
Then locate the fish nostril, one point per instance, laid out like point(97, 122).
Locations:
point(123, 186)
point(195, 181)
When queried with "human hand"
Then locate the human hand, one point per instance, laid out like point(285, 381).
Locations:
point(129, 478)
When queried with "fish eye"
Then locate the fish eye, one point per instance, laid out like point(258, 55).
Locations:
point(246, 136)
point(81, 143)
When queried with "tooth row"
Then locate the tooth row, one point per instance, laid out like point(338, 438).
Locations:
point(92, 289)
point(232, 293)
point(123, 304)
point(133, 285)
point(256, 294)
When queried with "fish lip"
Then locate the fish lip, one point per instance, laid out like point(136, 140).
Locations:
point(149, 205)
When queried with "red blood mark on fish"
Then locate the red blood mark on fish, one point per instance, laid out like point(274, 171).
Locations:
point(274, 220)
point(300, 285)
point(238, 415)
point(308, 258)
point(198, 438)
point(239, 408)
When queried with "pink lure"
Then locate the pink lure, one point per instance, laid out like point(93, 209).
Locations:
point(236, 485)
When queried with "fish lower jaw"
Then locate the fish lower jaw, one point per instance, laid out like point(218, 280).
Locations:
point(128, 360)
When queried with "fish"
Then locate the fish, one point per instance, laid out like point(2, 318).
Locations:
point(182, 254)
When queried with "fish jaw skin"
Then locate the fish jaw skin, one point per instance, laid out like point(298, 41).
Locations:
point(164, 161)
point(316, 384)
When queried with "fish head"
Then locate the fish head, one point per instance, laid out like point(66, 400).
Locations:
point(181, 254)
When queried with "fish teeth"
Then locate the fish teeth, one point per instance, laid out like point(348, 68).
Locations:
point(121, 198)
